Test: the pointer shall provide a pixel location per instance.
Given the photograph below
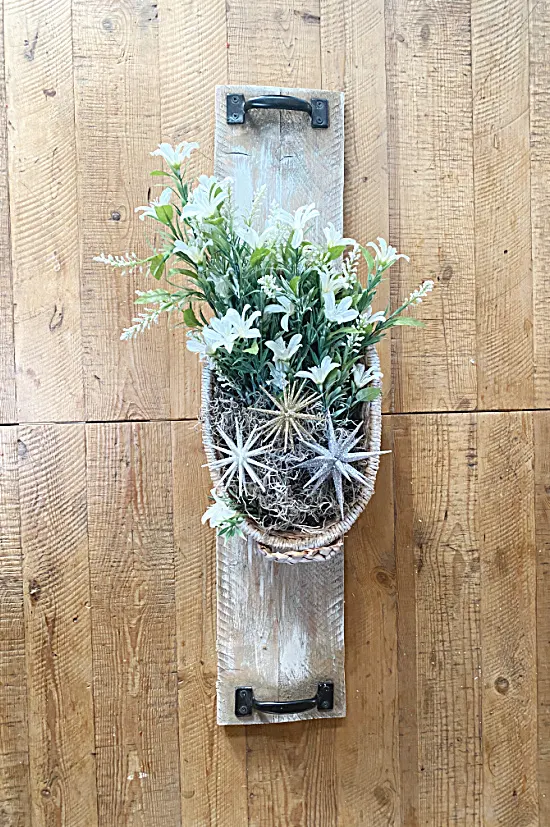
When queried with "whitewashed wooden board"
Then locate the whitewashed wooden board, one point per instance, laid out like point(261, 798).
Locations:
point(280, 627)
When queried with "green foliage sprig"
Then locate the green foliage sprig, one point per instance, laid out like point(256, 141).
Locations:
point(265, 305)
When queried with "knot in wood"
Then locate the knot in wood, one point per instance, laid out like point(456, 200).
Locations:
point(502, 685)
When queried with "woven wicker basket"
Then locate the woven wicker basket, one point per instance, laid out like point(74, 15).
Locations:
point(315, 545)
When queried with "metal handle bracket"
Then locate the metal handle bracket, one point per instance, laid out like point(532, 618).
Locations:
point(317, 109)
point(246, 703)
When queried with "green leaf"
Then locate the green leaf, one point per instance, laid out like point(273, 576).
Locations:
point(253, 349)
point(157, 266)
point(258, 255)
point(159, 172)
point(368, 258)
point(341, 332)
point(336, 252)
point(293, 284)
point(178, 271)
point(164, 213)
point(368, 394)
point(189, 318)
point(406, 321)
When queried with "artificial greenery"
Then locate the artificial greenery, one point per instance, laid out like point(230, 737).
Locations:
point(276, 313)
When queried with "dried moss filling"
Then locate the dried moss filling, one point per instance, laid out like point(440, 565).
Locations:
point(286, 505)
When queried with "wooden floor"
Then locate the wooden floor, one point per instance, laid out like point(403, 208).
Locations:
point(107, 658)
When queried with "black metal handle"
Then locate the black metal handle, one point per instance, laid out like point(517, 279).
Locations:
point(278, 102)
point(317, 109)
point(245, 702)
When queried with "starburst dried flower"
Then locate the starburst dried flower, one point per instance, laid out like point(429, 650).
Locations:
point(288, 415)
point(336, 461)
point(240, 458)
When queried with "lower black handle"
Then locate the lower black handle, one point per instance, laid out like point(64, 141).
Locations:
point(245, 702)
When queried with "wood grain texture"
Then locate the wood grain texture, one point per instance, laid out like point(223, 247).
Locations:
point(274, 43)
point(541, 436)
point(366, 744)
point(438, 554)
point(353, 55)
point(44, 210)
point(292, 774)
point(504, 314)
point(117, 126)
point(213, 762)
point(133, 623)
point(280, 630)
point(431, 201)
point(297, 164)
point(539, 60)
point(421, 617)
point(187, 114)
point(52, 477)
point(8, 405)
point(508, 577)
point(14, 748)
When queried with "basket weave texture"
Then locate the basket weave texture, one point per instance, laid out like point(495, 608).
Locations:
point(317, 544)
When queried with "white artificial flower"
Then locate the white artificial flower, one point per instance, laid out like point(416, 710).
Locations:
point(284, 352)
point(219, 512)
point(332, 282)
point(418, 294)
point(222, 283)
point(268, 283)
point(193, 251)
point(197, 343)
point(252, 237)
point(385, 253)
point(224, 332)
point(319, 374)
point(334, 238)
point(363, 377)
point(370, 318)
point(278, 372)
point(241, 326)
point(206, 199)
point(297, 221)
point(220, 333)
point(175, 155)
point(161, 201)
point(285, 306)
point(341, 312)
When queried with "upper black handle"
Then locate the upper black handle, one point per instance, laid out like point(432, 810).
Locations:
point(245, 702)
point(317, 109)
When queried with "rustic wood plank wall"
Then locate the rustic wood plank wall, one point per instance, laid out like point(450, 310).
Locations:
point(107, 589)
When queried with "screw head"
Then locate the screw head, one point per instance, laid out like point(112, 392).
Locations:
point(324, 704)
point(243, 710)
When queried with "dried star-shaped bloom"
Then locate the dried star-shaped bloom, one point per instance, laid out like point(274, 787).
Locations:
point(288, 414)
point(336, 461)
point(240, 458)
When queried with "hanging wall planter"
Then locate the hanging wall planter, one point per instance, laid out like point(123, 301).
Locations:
point(316, 542)
point(283, 322)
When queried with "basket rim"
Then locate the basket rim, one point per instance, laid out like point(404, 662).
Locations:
point(317, 538)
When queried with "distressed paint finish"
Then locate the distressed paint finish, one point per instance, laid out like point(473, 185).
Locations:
point(297, 612)
point(280, 630)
